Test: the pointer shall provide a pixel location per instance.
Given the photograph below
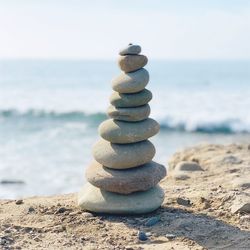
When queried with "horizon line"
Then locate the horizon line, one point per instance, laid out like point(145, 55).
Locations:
point(114, 59)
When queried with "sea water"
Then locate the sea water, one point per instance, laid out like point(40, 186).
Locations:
point(50, 112)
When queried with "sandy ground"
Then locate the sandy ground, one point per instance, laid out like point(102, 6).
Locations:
point(204, 210)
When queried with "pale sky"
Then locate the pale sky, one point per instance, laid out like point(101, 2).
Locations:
point(166, 29)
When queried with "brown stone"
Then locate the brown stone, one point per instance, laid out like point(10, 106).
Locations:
point(125, 181)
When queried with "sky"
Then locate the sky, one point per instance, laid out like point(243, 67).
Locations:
point(97, 29)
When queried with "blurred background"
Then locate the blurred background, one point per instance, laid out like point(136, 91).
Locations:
point(57, 59)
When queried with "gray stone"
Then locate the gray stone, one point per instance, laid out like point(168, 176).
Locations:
point(241, 183)
point(130, 100)
point(96, 200)
point(170, 236)
point(131, 49)
point(241, 204)
point(142, 236)
point(131, 82)
point(128, 132)
point(183, 202)
point(122, 156)
point(61, 210)
point(129, 114)
point(231, 160)
point(31, 210)
point(188, 166)
point(125, 181)
point(130, 63)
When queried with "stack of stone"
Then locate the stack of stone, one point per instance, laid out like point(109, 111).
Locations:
point(123, 179)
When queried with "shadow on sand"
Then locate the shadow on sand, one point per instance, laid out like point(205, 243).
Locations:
point(206, 231)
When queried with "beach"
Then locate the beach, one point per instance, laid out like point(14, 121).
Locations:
point(124, 125)
point(207, 209)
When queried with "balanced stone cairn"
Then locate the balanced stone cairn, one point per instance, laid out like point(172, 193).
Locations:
point(123, 179)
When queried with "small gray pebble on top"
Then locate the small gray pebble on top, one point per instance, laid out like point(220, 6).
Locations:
point(131, 49)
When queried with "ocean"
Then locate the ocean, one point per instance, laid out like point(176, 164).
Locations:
point(50, 112)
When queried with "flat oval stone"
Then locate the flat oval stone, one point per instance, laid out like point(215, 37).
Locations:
point(125, 181)
point(130, 63)
point(130, 100)
point(131, 82)
point(129, 114)
point(93, 199)
point(125, 132)
point(131, 49)
point(122, 156)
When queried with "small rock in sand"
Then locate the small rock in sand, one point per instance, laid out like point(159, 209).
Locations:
point(170, 236)
point(188, 166)
point(5, 240)
point(31, 210)
point(61, 210)
point(19, 202)
point(231, 160)
point(183, 202)
point(241, 182)
point(241, 204)
point(142, 236)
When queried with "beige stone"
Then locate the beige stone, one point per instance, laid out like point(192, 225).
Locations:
point(131, 82)
point(130, 63)
point(93, 199)
point(122, 156)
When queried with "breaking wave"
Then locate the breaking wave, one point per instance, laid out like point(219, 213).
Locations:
point(228, 126)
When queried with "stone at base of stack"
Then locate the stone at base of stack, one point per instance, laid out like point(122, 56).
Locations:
point(97, 200)
point(123, 179)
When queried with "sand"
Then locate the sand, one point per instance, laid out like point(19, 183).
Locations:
point(198, 212)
